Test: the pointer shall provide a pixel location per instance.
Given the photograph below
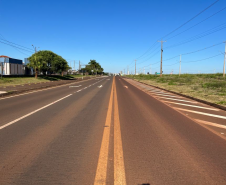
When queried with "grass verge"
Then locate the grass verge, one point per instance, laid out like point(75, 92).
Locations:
point(208, 87)
point(12, 81)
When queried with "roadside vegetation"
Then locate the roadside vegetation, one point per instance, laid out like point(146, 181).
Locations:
point(47, 62)
point(208, 87)
point(11, 81)
point(92, 68)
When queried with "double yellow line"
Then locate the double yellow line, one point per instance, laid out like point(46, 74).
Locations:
point(119, 168)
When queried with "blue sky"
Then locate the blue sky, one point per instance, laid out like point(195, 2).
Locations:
point(115, 33)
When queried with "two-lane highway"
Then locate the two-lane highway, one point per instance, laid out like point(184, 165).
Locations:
point(104, 131)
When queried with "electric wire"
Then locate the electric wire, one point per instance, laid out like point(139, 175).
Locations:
point(16, 44)
point(202, 59)
point(201, 35)
point(197, 23)
point(181, 26)
point(16, 47)
point(188, 53)
point(191, 18)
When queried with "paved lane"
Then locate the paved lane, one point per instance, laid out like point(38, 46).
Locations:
point(14, 107)
point(106, 131)
point(59, 144)
point(162, 146)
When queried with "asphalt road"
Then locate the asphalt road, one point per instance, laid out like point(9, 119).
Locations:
point(110, 131)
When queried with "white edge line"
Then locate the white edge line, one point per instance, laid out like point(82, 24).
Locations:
point(203, 113)
point(16, 120)
point(176, 99)
point(191, 105)
point(211, 124)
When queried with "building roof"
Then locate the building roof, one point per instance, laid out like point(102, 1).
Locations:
point(3, 56)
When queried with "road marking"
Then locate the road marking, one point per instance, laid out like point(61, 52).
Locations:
point(16, 120)
point(119, 167)
point(156, 91)
point(126, 87)
point(100, 86)
point(177, 99)
point(75, 86)
point(101, 173)
point(203, 113)
point(44, 89)
point(161, 94)
point(192, 106)
point(211, 124)
point(2, 92)
point(79, 90)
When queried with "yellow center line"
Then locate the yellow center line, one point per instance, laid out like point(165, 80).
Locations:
point(119, 168)
point(101, 173)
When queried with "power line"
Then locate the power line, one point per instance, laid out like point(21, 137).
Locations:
point(16, 47)
point(180, 27)
point(196, 37)
point(202, 59)
point(147, 50)
point(172, 64)
point(197, 23)
point(187, 61)
point(188, 53)
point(16, 44)
point(195, 60)
point(191, 19)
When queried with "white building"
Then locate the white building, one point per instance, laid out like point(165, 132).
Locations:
point(10, 66)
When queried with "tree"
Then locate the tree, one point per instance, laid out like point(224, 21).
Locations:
point(48, 58)
point(44, 61)
point(60, 65)
point(36, 62)
point(94, 67)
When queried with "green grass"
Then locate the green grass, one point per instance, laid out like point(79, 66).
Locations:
point(12, 81)
point(209, 87)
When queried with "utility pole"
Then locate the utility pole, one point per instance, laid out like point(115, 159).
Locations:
point(161, 56)
point(135, 66)
point(79, 67)
point(224, 60)
point(150, 69)
point(1, 70)
point(180, 66)
point(74, 64)
point(124, 71)
point(36, 73)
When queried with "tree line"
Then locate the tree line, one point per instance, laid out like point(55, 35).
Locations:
point(47, 62)
point(93, 67)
